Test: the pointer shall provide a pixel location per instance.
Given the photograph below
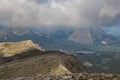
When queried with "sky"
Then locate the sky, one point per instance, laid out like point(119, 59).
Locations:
point(76, 13)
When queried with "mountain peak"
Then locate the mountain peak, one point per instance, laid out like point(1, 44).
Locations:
point(8, 49)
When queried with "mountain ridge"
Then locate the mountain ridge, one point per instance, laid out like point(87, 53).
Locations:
point(45, 63)
point(61, 38)
point(8, 49)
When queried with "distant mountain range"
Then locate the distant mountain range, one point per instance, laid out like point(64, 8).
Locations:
point(60, 38)
point(112, 30)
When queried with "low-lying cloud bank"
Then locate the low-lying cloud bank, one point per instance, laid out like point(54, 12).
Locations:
point(24, 13)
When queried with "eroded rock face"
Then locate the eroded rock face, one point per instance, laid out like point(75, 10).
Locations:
point(46, 63)
point(9, 49)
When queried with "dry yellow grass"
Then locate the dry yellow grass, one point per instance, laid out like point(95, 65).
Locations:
point(8, 49)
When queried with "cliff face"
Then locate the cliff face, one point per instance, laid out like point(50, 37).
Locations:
point(46, 63)
point(9, 49)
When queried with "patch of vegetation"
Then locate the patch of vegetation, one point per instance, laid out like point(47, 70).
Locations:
point(102, 62)
point(104, 49)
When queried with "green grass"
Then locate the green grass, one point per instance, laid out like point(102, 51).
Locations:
point(100, 48)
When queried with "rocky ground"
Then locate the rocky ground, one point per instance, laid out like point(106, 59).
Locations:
point(76, 76)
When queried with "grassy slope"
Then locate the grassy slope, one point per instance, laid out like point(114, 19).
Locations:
point(51, 62)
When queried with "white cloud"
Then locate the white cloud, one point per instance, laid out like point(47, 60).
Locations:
point(59, 12)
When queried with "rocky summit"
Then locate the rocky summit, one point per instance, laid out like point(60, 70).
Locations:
point(8, 49)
